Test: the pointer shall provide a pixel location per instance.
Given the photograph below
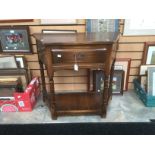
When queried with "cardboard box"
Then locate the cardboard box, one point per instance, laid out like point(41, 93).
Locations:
point(27, 100)
point(23, 101)
point(8, 106)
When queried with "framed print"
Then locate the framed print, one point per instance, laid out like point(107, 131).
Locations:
point(118, 82)
point(139, 27)
point(102, 25)
point(98, 81)
point(151, 81)
point(144, 68)
point(123, 64)
point(149, 53)
point(15, 39)
point(45, 31)
point(7, 62)
point(58, 21)
point(21, 62)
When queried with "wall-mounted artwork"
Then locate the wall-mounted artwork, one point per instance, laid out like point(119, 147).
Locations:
point(102, 25)
point(15, 39)
point(139, 27)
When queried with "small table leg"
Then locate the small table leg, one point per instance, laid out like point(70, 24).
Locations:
point(105, 95)
point(44, 92)
point(52, 101)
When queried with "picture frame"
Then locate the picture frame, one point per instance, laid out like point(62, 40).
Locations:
point(149, 53)
point(151, 81)
point(16, 73)
point(15, 40)
point(48, 31)
point(7, 62)
point(57, 21)
point(22, 77)
point(8, 86)
point(102, 25)
point(21, 61)
point(123, 64)
point(143, 82)
point(15, 20)
point(144, 68)
point(118, 82)
point(98, 81)
point(137, 27)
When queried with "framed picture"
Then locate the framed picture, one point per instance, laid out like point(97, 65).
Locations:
point(58, 21)
point(149, 53)
point(21, 62)
point(124, 64)
point(118, 82)
point(58, 31)
point(102, 25)
point(139, 27)
point(15, 39)
point(144, 69)
point(151, 81)
point(7, 62)
point(98, 81)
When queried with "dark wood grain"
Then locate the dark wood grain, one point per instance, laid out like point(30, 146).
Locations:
point(77, 38)
point(91, 51)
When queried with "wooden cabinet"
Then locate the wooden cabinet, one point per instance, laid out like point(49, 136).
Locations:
point(91, 51)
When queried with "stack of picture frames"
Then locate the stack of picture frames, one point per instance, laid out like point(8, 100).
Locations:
point(120, 77)
point(15, 42)
point(13, 71)
point(147, 69)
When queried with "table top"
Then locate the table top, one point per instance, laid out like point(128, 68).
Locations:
point(77, 38)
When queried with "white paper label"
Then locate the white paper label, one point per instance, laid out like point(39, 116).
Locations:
point(76, 67)
point(59, 55)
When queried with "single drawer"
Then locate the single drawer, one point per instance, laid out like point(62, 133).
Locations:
point(80, 55)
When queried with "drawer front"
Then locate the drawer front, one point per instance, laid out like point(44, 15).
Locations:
point(80, 55)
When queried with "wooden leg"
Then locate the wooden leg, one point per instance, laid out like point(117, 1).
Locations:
point(88, 80)
point(105, 95)
point(52, 100)
point(44, 92)
point(104, 111)
point(111, 80)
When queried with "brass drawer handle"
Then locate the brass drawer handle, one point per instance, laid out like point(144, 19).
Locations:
point(79, 55)
point(101, 49)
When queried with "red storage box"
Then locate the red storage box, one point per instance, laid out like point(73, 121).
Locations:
point(8, 106)
point(27, 100)
point(23, 101)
